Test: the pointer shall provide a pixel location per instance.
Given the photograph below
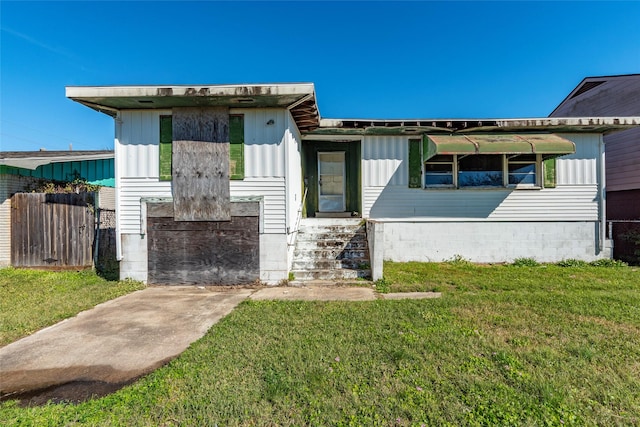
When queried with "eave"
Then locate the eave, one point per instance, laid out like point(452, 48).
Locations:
point(33, 159)
point(299, 98)
point(421, 126)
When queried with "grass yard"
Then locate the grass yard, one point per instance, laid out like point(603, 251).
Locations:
point(31, 299)
point(505, 345)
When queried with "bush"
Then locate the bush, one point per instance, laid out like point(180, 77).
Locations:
point(572, 262)
point(525, 262)
point(606, 262)
point(458, 260)
point(383, 286)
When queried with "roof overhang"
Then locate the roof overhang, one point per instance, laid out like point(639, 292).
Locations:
point(299, 98)
point(602, 125)
point(548, 145)
point(31, 160)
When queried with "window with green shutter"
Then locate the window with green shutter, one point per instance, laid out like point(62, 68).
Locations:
point(236, 147)
point(550, 173)
point(165, 148)
point(415, 164)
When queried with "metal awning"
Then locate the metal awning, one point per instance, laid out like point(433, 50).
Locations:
point(549, 145)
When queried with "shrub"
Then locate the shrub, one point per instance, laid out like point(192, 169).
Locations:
point(606, 262)
point(458, 260)
point(572, 262)
point(383, 286)
point(525, 262)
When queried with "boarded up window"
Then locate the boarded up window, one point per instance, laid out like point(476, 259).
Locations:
point(165, 148)
point(550, 173)
point(236, 149)
point(415, 163)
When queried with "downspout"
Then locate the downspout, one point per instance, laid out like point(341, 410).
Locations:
point(603, 196)
point(116, 145)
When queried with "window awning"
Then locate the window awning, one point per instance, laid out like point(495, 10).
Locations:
point(549, 145)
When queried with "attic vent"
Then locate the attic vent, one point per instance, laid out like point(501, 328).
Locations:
point(587, 87)
point(145, 101)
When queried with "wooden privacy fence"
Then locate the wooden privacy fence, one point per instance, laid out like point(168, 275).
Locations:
point(52, 230)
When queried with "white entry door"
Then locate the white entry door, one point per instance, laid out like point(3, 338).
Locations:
point(331, 182)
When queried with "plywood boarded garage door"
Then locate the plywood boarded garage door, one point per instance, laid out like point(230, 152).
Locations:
point(203, 252)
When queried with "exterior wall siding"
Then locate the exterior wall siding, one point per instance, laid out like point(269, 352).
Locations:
point(623, 157)
point(293, 183)
point(386, 193)
point(560, 204)
point(138, 171)
point(268, 139)
point(91, 170)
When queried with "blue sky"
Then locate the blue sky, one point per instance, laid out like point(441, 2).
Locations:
point(367, 59)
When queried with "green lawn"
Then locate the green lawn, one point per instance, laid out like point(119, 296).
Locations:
point(31, 299)
point(504, 345)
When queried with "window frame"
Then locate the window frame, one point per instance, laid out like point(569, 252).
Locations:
point(506, 161)
point(537, 173)
point(454, 172)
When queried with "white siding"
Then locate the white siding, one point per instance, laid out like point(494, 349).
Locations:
point(386, 194)
point(264, 152)
point(383, 160)
point(137, 143)
point(139, 136)
point(294, 172)
point(563, 203)
point(137, 139)
point(273, 191)
point(580, 168)
point(130, 192)
point(133, 189)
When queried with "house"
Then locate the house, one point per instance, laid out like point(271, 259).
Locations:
point(613, 96)
point(212, 182)
point(21, 170)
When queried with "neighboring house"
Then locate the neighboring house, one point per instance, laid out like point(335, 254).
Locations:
point(21, 170)
point(430, 190)
point(613, 96)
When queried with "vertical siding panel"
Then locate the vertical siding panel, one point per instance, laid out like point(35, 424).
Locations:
point(580, 168)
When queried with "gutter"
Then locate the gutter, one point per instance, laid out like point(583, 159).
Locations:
point(116, 146)
point(602, 196)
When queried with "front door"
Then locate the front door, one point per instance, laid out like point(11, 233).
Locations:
point(331, 182)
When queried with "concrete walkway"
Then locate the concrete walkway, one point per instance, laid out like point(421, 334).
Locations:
point(118, 341)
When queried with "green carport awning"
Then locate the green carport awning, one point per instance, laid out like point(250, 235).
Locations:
point(549, 145)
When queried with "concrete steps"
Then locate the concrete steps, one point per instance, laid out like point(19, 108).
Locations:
point(331, 250)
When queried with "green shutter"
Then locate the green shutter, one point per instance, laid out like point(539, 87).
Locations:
point(166, 138)
point(236, 147)
point(415, 164)
point(550, 173)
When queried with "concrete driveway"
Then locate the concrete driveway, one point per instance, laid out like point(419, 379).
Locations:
point(115, 342)
point(104, 348)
